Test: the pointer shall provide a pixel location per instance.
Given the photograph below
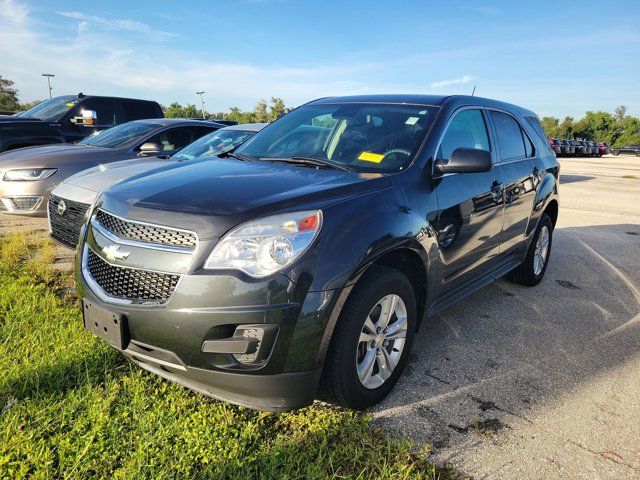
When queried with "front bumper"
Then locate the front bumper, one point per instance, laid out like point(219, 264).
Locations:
point(24, 198)
point(168, 339)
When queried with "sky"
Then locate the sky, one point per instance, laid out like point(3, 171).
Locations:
point(554, 57)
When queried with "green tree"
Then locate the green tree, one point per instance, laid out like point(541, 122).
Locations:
point(565, 129)
point(174, 111)
point(598, 126)
point(619, 113)
point(190, 111)
point(8, 96)
point(278, 109)
point(260, 113)
point(629, 132)
point(550, 126)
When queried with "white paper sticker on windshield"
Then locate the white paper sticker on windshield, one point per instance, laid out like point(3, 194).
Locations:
point(411, 120)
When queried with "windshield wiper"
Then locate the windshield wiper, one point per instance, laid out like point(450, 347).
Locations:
point(312, 161)
point(239, 156)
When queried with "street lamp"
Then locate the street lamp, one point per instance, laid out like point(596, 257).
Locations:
point(49, 76)
point(201, 102)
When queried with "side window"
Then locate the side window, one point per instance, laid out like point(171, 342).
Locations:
point(512, 141)
point(467, 129)
point(106, 112)
point(139, 110)
point(202, 131)
point(173, 138)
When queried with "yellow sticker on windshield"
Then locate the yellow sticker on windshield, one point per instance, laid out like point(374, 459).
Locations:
point(70, 104)
point(370, 157)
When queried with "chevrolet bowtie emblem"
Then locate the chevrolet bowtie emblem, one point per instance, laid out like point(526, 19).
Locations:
point(112, 252)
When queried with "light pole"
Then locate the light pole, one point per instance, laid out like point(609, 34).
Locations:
point(201, 102)
point(49, 76)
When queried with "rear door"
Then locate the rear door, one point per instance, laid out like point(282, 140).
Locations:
point(470, 205)
point(517, 161)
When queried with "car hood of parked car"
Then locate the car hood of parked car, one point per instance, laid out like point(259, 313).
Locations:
point(211, 196)
point(54, 155)
point(100, 177)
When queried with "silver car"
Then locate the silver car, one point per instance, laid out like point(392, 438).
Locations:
point(27, 175)
point(71, 200)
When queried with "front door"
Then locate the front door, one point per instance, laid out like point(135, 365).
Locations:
point(470, 206)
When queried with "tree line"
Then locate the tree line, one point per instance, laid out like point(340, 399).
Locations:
point(261, 113)
point(616, 129)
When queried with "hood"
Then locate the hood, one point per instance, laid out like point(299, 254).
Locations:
point(98, 178)
point(211, 196)
point(4, 119)
point(54, 155)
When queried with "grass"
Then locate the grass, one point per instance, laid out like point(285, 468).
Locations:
point(74, 408)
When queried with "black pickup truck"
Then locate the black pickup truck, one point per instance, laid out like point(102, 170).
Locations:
point(69, 118)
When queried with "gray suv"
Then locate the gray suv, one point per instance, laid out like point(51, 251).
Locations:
point(301, 265)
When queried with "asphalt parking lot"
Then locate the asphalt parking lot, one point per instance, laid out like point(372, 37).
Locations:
point(541, 382)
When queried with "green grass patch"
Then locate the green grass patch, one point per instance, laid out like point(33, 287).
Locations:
point(72, 407)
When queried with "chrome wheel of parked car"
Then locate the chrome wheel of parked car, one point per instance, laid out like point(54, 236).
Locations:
point(381, 341)
point(542, 248)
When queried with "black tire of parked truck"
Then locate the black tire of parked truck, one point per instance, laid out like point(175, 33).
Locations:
point(531, 271)
point(340, 383)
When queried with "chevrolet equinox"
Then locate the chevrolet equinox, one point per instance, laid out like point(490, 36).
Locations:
point(300, 265)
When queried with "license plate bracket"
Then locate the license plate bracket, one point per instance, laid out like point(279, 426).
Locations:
point(108, 325)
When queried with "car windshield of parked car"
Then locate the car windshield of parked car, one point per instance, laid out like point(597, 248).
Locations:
point(119, 135)
point(214, 144)
point(366, 137)
point(50, 110)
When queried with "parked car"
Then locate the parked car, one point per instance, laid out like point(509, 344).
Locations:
point(628, 149)
point(554, 143)
point(603, 148)
point(566, 148)
point(28, 175)
point(70, 118)
point(595, 150)
point(581, 148)
point(301, 265)
point(70, 201)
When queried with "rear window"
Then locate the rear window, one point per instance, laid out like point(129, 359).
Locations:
point(140, 110)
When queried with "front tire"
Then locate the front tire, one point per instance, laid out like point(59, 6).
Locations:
point(371, 341)
point(531, 271)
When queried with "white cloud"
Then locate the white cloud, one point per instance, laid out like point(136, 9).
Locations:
point(114, 23)
point(456, 81)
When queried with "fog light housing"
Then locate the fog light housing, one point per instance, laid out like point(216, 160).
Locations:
point(250, 345)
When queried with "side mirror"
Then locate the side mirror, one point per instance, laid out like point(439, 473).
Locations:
point(465, 160)
point(150, 148)
point(88, 118)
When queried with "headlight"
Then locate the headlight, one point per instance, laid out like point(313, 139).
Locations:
point(264, 246)
point(28, 174)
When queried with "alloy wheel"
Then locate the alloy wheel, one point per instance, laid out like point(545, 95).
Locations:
point(381, 341)
point(542, 250)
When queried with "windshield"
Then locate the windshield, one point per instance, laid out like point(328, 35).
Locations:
point(119, 135)
point(366, 137)
point(214, 144)
point(50, 110)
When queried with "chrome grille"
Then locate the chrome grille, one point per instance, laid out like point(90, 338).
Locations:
point(130, 284)
point(146, 233)
point(66, 227)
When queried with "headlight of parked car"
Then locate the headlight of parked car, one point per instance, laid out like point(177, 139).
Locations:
point(264, 246)
point(28, 174)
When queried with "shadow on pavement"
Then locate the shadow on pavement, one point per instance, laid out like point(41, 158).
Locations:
point(508, 351)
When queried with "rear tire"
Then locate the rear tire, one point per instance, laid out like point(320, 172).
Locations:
point(531, 271)
point(362, 366)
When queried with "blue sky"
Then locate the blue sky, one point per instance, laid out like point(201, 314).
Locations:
point(557, 58)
